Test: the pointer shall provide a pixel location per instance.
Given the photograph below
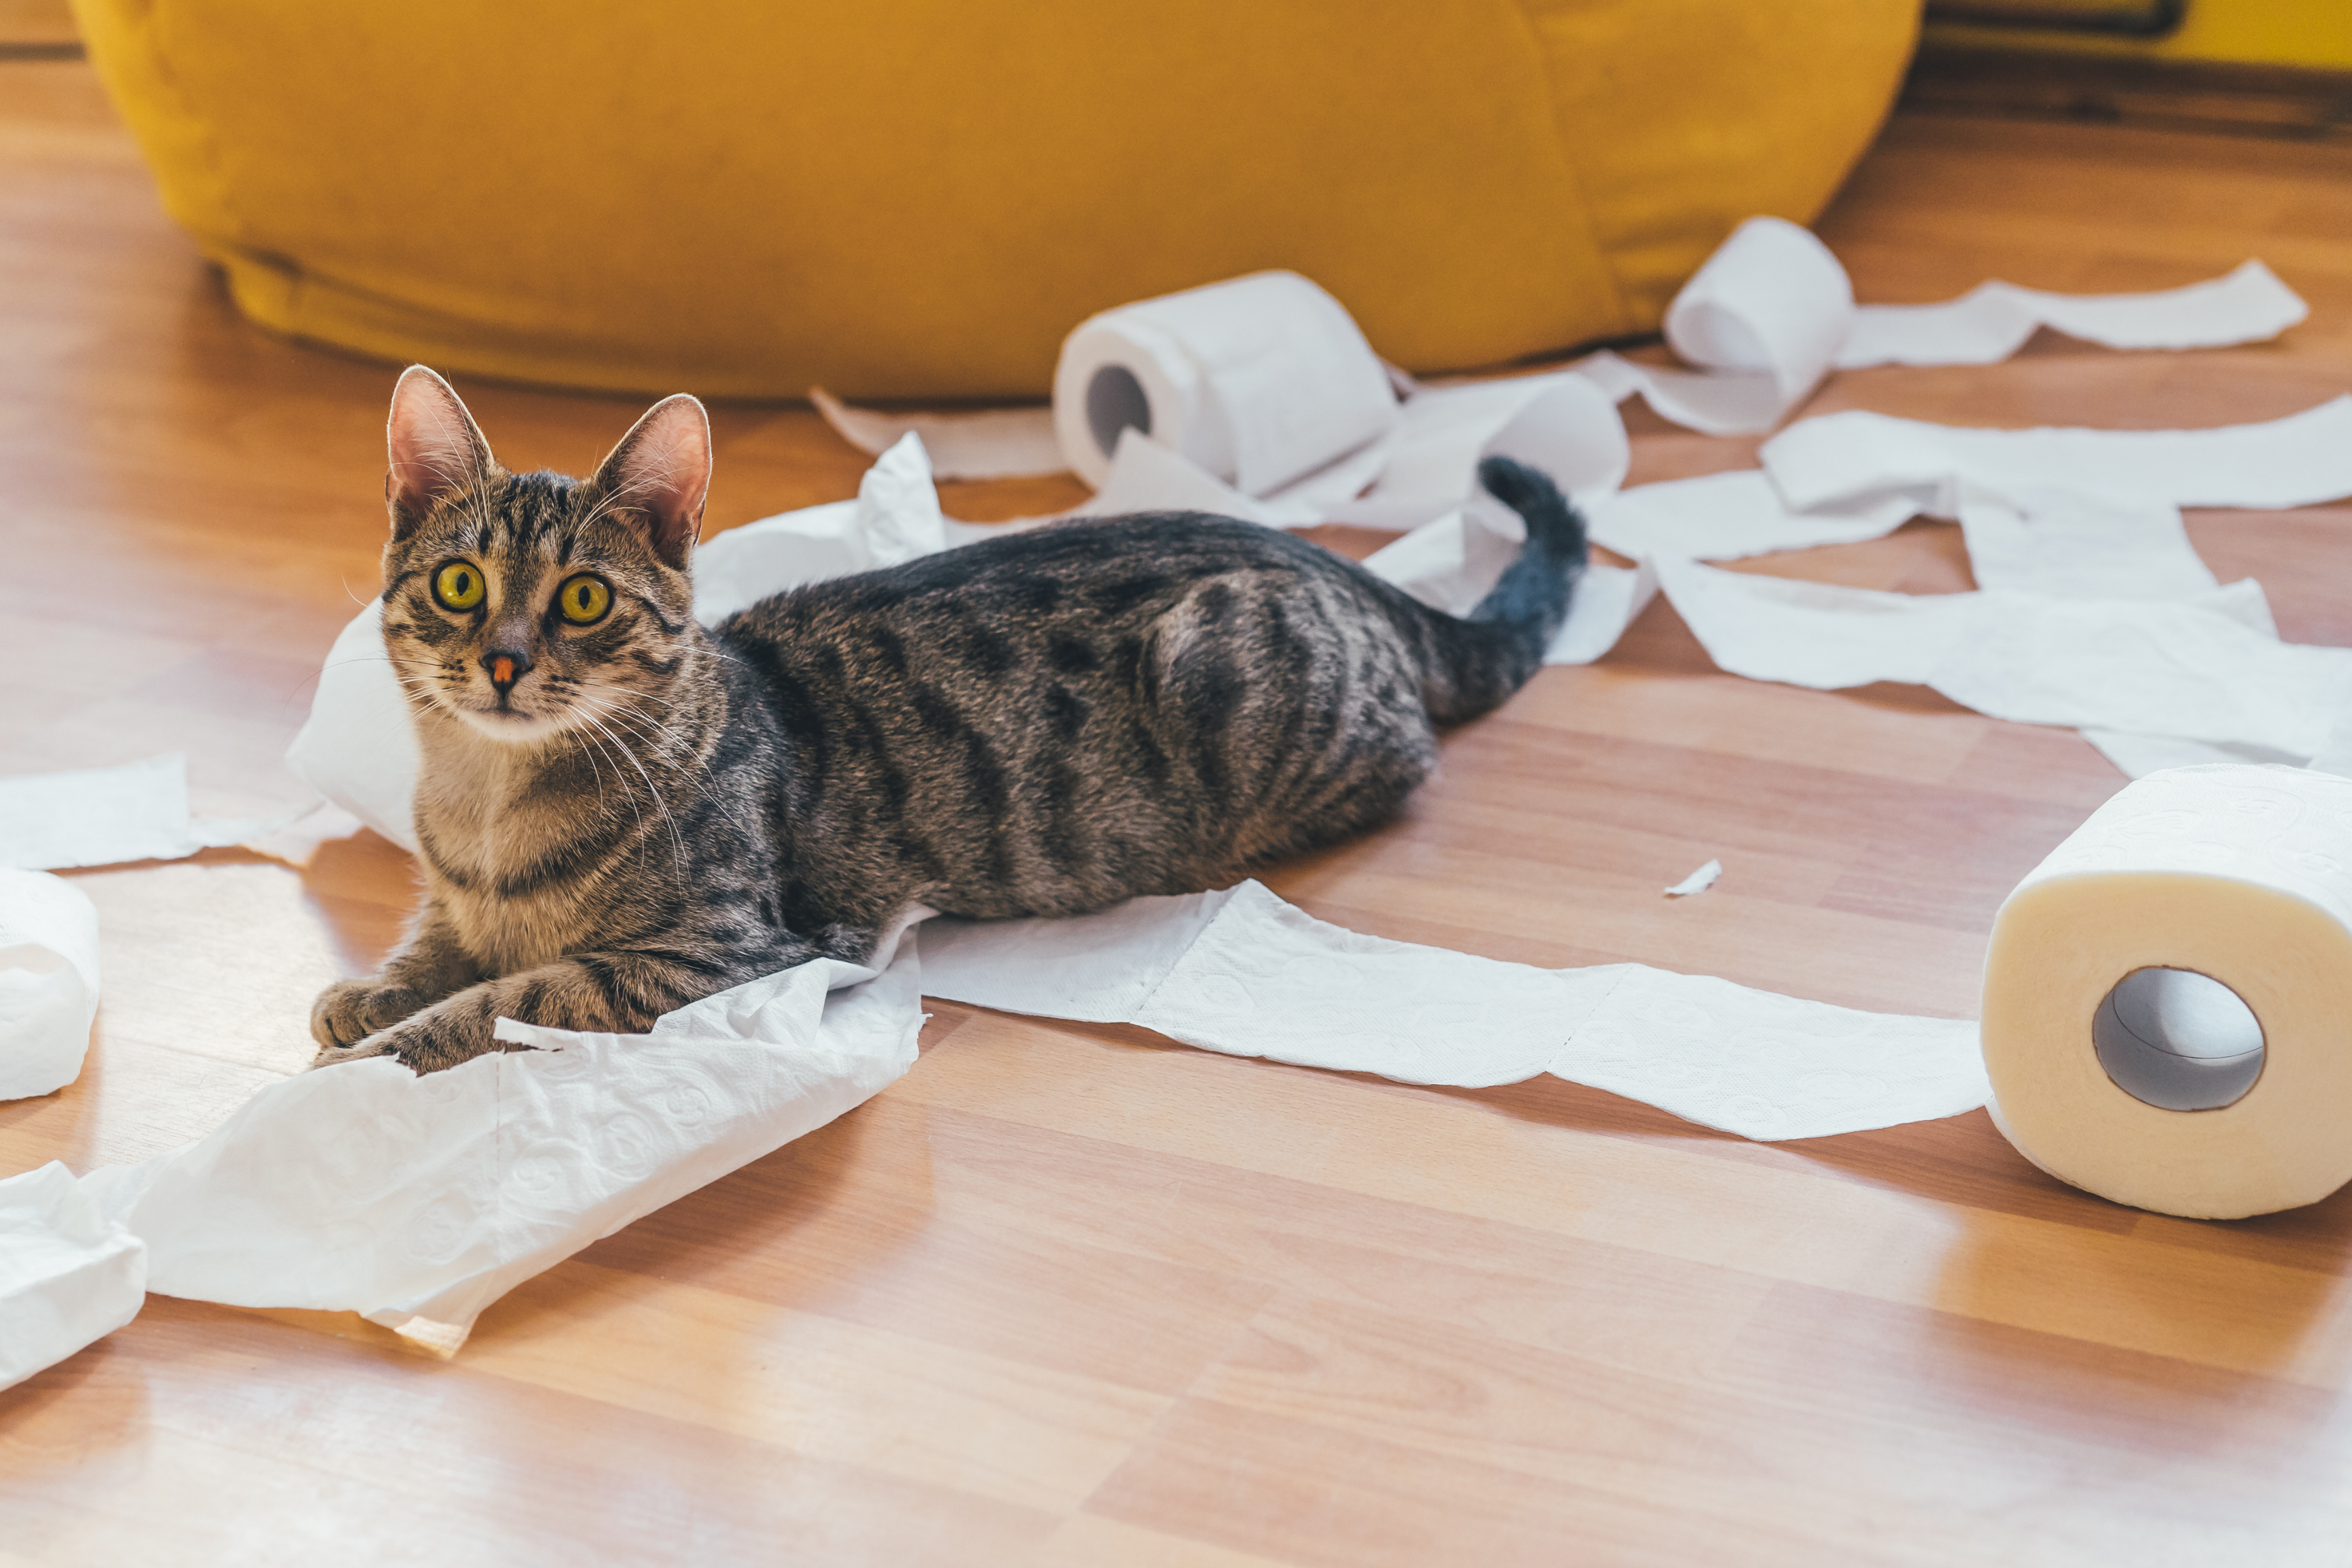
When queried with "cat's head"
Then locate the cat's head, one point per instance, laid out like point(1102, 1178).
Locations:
point(531, 604)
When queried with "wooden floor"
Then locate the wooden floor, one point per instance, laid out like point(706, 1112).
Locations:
point(1068, 1295)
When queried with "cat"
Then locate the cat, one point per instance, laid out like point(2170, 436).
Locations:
point(619, 811)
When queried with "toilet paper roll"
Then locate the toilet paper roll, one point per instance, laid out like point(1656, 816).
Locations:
point(1260, 381)
point(2166, 995)
point(1772, 303)
point(48, 981)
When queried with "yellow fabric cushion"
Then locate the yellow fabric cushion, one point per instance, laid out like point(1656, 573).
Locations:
point(742, 199)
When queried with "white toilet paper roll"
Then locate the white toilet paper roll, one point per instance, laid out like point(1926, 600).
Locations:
point(1771, 301)
point(48, 981)
point(1260, 380)
point(2165, 996)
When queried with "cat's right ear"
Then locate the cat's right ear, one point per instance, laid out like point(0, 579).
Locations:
point(437, 449)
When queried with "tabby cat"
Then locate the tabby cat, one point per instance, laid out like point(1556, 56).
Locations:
point(621, 811)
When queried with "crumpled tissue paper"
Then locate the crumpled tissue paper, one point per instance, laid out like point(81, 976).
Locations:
point(70, 1275)
point(416, 1202)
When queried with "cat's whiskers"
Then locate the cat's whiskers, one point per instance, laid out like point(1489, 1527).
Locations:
point(677, 843)
point(379, 658)
point(625, 705)
point(684, 756)
point(626, 690)
point(590, 750)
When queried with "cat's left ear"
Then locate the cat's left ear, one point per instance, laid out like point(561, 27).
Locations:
point(660, 473)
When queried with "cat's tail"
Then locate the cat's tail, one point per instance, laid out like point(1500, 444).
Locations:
point(1485, 657)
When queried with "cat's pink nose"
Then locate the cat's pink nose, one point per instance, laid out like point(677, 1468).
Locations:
point(506, 666)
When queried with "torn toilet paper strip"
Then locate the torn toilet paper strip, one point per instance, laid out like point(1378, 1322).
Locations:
point(2078, 546)
point(1145, 476)
point(70, 1275)
point(1992, 320)
point(973, 444)
point(1561, 425)
point(2194, 668)
point(1721, 517)
point(418, 1201)
point(48, 981)
point(1840, 459)
point(1242, 973)
point(108, 816)
point(1698, 881)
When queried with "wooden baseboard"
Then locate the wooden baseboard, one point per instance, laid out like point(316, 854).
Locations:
point(2245, 99)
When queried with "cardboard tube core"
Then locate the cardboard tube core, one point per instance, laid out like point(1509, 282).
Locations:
point(2177, 1039)
point(1115, 400)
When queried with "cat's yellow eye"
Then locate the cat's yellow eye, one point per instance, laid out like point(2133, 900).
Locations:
point(583, 599)
point(457, 585)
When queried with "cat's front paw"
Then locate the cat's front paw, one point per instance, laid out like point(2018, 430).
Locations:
point(432, 1041)
point(349, 1011)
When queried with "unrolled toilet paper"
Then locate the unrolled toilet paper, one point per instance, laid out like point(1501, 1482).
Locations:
point(48, 981)
point(2165, 996)
point(2080, 546)
point(1722, 517)
point(2199, 669)
point(106, 817)
point(1992, 320)
point(2300, 460)
point(1242, 973)
point(1561, 425)
point(976, 444)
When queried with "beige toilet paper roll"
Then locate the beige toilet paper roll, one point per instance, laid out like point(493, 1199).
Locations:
point(2167, 1000)
point(1260, 380)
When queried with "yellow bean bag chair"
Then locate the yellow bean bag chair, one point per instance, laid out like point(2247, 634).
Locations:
point(919, 200)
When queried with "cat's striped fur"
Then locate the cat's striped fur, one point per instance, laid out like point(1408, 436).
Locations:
point(1044, 723)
